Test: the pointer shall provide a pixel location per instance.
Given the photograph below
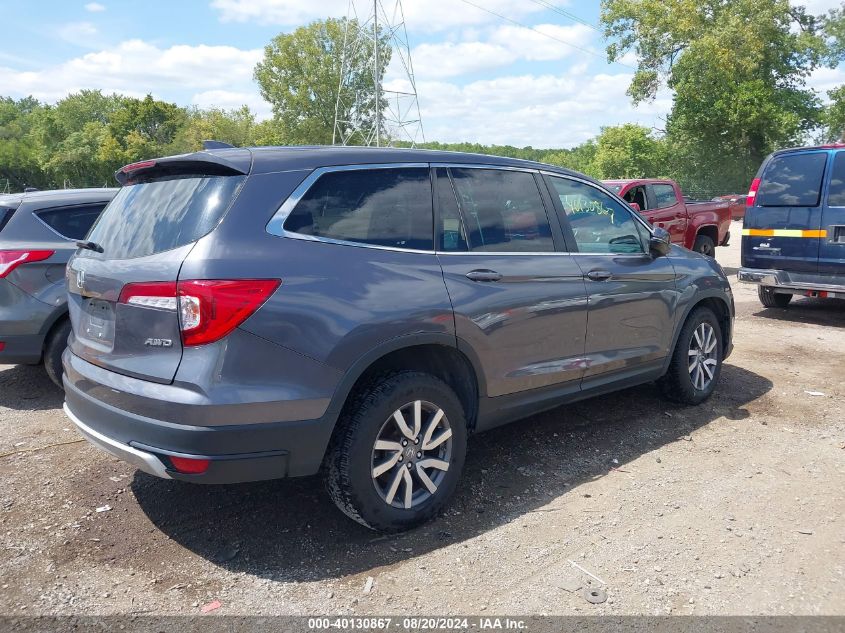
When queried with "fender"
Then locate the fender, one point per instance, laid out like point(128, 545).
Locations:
point(697, 298)
point(392, 345)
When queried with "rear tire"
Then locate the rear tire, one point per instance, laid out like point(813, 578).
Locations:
point(696, 361)
point(771, 299)
point(704, 245)
point(382, 502)
point(53, 350)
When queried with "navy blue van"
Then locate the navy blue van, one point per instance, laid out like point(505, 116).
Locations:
point(793, 238)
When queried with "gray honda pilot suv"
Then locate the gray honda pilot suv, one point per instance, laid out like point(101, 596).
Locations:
point(248, 314)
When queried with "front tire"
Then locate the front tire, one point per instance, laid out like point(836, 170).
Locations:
point(771, 299)
point(398, 451)
point(53, 350)
point(704, 245)
point(696, 361)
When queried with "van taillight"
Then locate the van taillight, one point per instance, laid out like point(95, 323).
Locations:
point(752, 193)
point(208, 309)
point(9, 260)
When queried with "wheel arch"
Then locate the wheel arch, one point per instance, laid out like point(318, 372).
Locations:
point(719, 306)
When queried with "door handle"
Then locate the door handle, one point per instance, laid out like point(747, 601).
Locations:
point(599, 275)
point(484, 275)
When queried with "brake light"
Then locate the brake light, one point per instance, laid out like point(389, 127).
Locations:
point(143, 164)
point(208, 309)
point(752, 193)
point(189, 466)
point(9, 260)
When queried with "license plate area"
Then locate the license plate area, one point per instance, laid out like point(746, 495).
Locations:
point(97, 323)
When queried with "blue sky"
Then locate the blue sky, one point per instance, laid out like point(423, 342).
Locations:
point(480, 77)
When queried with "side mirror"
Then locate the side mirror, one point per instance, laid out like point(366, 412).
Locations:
point(635, 206)
point(660, 242)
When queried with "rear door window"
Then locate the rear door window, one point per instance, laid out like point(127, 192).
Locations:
point(382, 207)
point(793, 180)
point(836, 191)
point(502, 210)
point(5, 216)
point(74, 222)
point(664, 196)
point(162, 214)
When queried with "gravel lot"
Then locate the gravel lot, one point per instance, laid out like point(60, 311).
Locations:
point(732, 507)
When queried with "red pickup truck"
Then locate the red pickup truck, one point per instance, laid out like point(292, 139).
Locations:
point(700, 226)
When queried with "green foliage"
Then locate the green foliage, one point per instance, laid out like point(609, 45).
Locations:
point(834, 117)
point(738, 71)
point(629, 151)
point(300, 75)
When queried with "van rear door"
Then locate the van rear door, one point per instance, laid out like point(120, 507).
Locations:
point(123, 287)
point(782, 226)
point(832, 245)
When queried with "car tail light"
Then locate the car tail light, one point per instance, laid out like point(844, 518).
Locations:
point(2, 345)
point(208, 309)
point(752, 193)
point(9, 260)
point(144, 164)
point(189, 465)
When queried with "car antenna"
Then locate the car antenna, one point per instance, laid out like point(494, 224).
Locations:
point(210, 144)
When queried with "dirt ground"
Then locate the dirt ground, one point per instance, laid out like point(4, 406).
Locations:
point(732, 507)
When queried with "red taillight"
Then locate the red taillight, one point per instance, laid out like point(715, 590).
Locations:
point(189, 465)
point(752, 193)
point(9, 260)
point(2, 345)
point(211, 308)
point(208, 309)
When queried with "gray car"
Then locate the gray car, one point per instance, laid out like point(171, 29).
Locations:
point(248, 314)
point(38, 234)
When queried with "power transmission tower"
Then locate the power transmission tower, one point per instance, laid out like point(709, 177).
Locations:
point(394, 115)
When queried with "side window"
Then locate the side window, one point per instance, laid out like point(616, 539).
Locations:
point(451, 232)
point(600, 224)
point(793, 180)
point(503, 210)
point(383, 207)
point(637, 195)
point(836, 193)
point(72, 222)
point(664, 196)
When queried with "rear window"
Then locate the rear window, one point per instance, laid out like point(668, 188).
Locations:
point(72, 222)
point(5, 216)
point(156, 216)
point(793, 180)
point(382, 207)
point(836, 193)
point(664, 196)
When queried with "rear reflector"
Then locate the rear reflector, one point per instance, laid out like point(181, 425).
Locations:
point(189, 466)
point(752, 193)
point(208, 309)
point(2, 345)
point(9, 260)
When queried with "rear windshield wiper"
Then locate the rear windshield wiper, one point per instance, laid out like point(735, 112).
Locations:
point(90, 246)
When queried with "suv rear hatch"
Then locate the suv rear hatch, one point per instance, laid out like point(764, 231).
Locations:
point(123, 285)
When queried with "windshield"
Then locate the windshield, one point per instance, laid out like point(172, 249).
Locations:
point(156, 216)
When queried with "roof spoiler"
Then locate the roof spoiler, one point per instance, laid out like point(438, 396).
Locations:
point(235, 163)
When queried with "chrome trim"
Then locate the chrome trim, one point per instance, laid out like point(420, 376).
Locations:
point(531, 170)
point(144, 461)
point(782, 280)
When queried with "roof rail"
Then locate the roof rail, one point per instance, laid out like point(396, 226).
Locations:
point(211, 144)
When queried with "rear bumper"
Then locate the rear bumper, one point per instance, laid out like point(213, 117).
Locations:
point(237, 452)
point(24, 350)
point(794, 282)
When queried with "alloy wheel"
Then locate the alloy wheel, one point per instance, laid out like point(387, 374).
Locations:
point(703, 356)
point(411, 455)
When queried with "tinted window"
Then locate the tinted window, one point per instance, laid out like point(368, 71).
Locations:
point(72, 222)
point(793, 180)
point(664, 196)
point(600, 223)
point(384, 207)
point(452, 234)
point(5, 216)
point(836, 193)
point(152, 217)
point(503, 210)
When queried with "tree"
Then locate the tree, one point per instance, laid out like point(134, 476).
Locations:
point(738, 71)
point(834, 116)
point(236, 127)
point(629, 151)
point(300, 77)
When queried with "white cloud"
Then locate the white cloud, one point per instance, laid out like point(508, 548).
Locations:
point(229, 100)
point(94, 7)
point(545, 42)
point(81, 34)
point(824, 79)
point(138, 66)
point(420, 15)
point(448, 59)
point(817, 7)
